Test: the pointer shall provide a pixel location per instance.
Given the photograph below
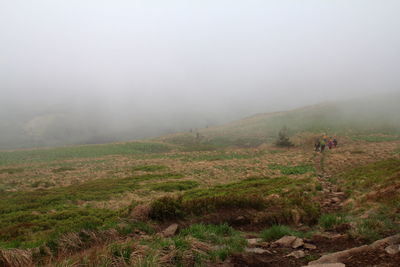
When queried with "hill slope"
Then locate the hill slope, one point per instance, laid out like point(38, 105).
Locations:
point(374, 115)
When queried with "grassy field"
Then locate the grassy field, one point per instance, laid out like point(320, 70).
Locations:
point(62, 200)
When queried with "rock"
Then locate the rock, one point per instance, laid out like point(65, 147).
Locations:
point(257, 250)
point(340, 255)
point(285, 241)
point(391, 240)
point(337, 264)
point(298, 242)
point(253, 241)
point(338, 193)
point(240, 218)
point(335, 200)
point(170, 230)
point(309, 246)
point(392, 249)
point(263, 245)
point(297, 254)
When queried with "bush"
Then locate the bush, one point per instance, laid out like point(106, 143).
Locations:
point(283, 138)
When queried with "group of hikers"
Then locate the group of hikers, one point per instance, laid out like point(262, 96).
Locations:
point(321, 143)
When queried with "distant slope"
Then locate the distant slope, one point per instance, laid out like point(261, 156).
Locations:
point(373, 115)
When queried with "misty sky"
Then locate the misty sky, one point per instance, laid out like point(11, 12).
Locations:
point(161, 58)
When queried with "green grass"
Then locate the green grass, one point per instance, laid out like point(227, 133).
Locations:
point(149, 168)
point(74, 152)
point(277, 231)
point(331, 220)
point(221, 156)
point(374, 185)
point(288, 170)
point(223, 236)
point(246, 194)
point(34, 217)
point(11, 170)
point(377, 226)
point(63, 169)
point(375, 138)
point(370, 176)
point(174, 186)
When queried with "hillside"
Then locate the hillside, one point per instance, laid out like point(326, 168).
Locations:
point(357, 117)
point(229, 191)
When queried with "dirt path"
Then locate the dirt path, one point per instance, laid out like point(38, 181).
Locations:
point(332, 196)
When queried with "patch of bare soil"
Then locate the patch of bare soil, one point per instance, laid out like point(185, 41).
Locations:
point(278, 256)
point(377, 257)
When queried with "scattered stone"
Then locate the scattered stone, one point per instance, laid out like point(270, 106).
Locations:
point(392, 249)
point(310, 246)
point(297, 254)
point(170, 230)
point(253, 241)
point(285, 241)
point(257, 250)
point(298, 242)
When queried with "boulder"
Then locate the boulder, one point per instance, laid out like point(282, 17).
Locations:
point(309, 246)
point(285, 241)
point(170, 230)
point(297, 254)
point(257, 250)
point(392, 249)
point(298, 242)
point(253, 241)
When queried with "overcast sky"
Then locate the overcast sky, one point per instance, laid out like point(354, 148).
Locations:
point(183, 57)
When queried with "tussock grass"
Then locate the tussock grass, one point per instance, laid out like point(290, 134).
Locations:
point(331, 220)
point(174, 186)
point(370, 176)
point(375, 138)
point(149, 168)
point(278, 231)
point(63, 169)
point(74, 152)
point(225, 237)
point(247, 194)
point(222, 156)
point(11, 170)
point(374, 185)
point(31, 218)
point(288, 170)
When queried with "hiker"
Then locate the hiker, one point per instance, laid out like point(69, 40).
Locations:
point(317, 145)
point(323, 145)
point(330, 143)
point(335, 142)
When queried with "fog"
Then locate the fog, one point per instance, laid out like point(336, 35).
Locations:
point(95, 71)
